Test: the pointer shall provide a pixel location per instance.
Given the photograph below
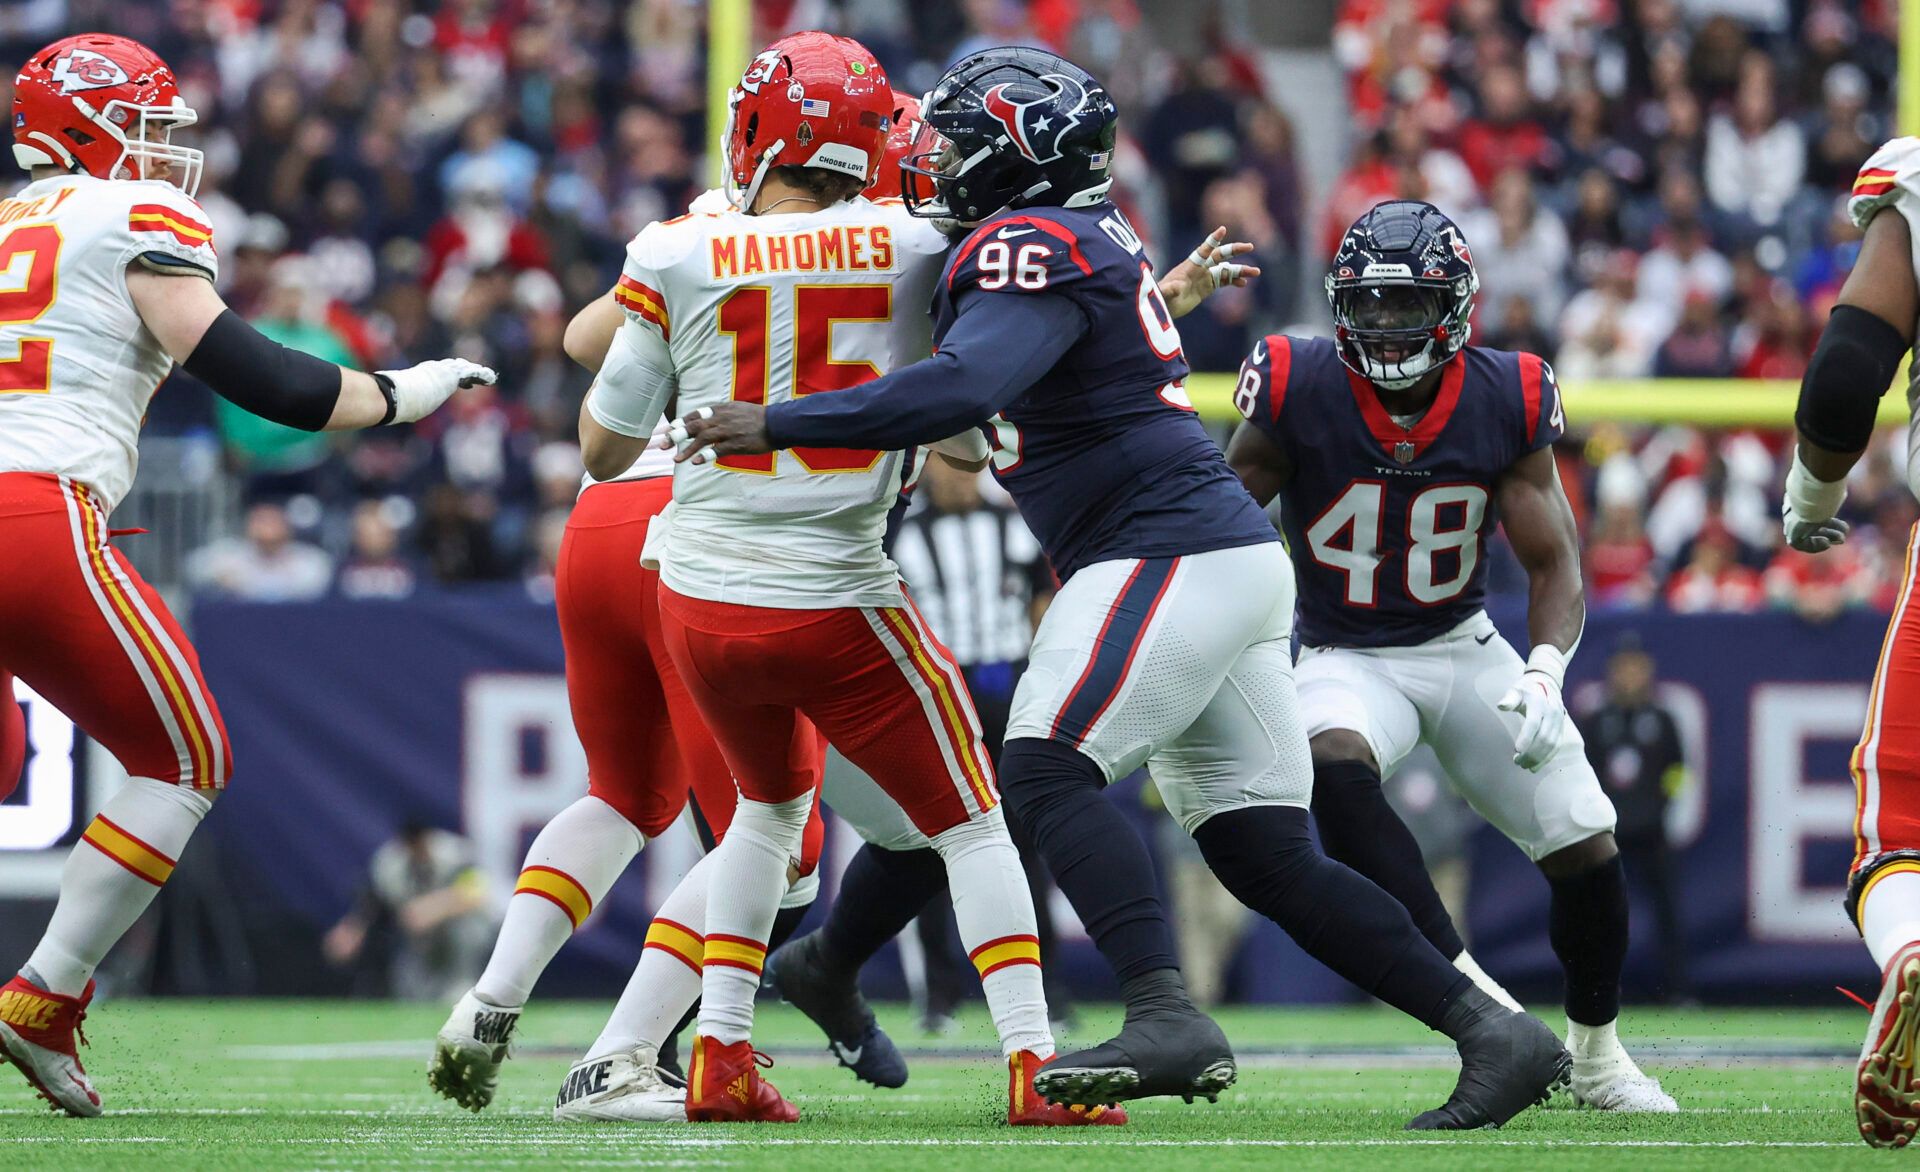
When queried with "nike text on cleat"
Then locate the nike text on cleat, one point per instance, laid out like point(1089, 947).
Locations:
point(724, 1086)
point(623, 1088)
point(469, 1049)
point(1027, 1108)
point(1161, 1052)
point(1508, 1062)
point(38, 1031)
point(1885, 1099)
point(832, 1001)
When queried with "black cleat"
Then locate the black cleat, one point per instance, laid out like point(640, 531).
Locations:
point(1508, 1062)
point(800, 975)
point(1159, 1051)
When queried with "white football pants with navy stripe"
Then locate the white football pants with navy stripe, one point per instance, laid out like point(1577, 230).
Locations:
point(1182, 664)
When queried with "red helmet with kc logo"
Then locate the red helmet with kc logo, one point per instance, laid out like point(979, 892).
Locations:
point(106, 106)
point(811, 99)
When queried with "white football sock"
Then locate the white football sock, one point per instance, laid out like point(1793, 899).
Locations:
point(111, 875)
point(569, 868)
point(1587, 1043)
point(1890, 914)
point(749, 877)
point(1471, 967)
point(994, 910)
point(666, 982)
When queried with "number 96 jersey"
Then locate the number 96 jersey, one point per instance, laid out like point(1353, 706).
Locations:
point(77, 366)
point(1387, 524)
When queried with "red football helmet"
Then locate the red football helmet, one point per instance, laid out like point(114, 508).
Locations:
point(104, 105)
point(906, 128)
point(810, 100)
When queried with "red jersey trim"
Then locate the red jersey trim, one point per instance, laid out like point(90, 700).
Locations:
point(1387, 433)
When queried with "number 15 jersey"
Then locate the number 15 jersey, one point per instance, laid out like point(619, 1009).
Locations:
point(763, 309)
point(1386, 523)
point(77, 365)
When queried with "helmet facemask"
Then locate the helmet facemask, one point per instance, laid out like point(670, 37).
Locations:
point(146, 137)
point(1395, 331)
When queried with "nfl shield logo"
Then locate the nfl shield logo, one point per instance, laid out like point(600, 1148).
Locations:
point(1403, 451)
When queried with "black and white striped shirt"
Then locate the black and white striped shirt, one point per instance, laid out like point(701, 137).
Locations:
point(975, 575)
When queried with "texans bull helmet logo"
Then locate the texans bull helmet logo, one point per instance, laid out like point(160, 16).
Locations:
point(1030, 122)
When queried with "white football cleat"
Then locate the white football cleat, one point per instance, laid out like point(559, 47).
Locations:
point(1884, 1101)
point(469, 1049)
point(37, 1033)
point(1613, 1082)
point(622, 1088)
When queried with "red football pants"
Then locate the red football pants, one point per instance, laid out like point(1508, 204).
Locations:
point(874, 680)
point(1886, 763)
point(82, 628)
point(646, 743)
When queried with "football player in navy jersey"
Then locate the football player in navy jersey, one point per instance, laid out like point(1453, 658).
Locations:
point(1394, 449)
point(1169, 643)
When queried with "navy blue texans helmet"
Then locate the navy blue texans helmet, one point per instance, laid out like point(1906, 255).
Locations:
point(1007, 128)
point(1401, 287)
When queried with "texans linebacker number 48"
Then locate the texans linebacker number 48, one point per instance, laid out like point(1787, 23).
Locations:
point(1395, 448)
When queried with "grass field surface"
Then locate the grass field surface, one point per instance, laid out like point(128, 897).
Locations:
point(268, 1085)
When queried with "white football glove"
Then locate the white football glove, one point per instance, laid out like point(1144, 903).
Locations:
point(1543, 711)
point(1809, 508)
point(419, 390)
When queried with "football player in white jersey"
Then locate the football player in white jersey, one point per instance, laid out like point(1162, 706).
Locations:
point(1870, 332)
point(109, 268)
point(776, 600)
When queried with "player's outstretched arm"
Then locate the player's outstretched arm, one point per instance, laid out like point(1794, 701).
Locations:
point(245, 367)
point(1540, 527)
point(1208, 267)
point(1859, 351)
point(1000, 345)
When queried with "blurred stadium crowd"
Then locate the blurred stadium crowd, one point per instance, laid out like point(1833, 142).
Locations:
point(1650, 187)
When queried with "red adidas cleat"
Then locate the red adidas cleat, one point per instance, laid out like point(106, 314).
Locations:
point(1886, 1098)
point(724, 1086)
point(37, 1033)
point(1025, 1107)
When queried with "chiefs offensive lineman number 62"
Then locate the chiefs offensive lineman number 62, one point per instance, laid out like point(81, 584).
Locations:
point(28, 259)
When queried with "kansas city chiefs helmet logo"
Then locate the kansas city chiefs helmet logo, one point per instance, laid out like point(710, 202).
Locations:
point(83, 69)
point(1031, 123)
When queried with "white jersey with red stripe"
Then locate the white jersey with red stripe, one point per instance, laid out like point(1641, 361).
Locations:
point(77, 365)
point(1891, 179)
point(763, 308)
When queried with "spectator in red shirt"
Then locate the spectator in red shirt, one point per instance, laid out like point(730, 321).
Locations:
point(1504, 132)
point(1714, 580)
point(1819, 588)
point(1774, 341)
point(1620, 559)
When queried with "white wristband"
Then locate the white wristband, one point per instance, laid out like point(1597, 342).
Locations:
point(1549, 661)
point(1809, 497)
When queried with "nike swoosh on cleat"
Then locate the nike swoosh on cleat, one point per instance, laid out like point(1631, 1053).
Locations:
point(849, 1054)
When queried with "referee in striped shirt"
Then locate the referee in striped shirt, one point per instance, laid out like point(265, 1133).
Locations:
point(980, 579)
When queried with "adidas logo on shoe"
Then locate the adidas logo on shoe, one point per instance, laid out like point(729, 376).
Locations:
point(493, 1028)
point(583, 1081)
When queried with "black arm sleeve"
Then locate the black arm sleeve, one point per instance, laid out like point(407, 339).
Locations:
point(1851, 367)
point(259, 375)
point(998, 347)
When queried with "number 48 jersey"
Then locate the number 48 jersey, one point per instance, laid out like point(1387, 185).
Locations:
point(77, 366)
point(1387, 524)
